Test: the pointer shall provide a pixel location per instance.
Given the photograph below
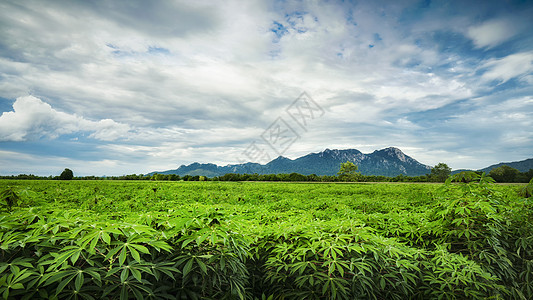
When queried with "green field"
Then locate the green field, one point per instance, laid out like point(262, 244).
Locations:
point(258, 240)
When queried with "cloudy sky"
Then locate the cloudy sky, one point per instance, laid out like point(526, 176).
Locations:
point(122, 87)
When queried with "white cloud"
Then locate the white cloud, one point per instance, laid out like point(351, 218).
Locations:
point(493, 32)
point(32, 118)
point(515, 65)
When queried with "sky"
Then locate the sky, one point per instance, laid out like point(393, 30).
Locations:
point(129, 87)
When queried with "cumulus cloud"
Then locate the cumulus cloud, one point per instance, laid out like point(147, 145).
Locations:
point(32, 118)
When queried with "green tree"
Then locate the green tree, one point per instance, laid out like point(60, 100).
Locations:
point(440, 172)
point(66, 175)
point(348, 171)
point(504, 174)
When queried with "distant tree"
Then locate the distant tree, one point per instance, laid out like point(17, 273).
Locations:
point(440, 172)
point(66, 175)
point(504, 174)
point(312, 177)
point(525, 176)
point(348, 171)
point(157, 177)
point(296, 177)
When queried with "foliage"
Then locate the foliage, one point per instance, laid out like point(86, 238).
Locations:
point(504, 174)
point(8, 198)
point(466, 239)
point(348, 171)
point(67, 174)
point(527, 191)
point(440, 172)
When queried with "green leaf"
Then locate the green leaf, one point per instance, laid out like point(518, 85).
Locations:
point(138, 295)
point(79, 281)
point(124, 293)
point(17, 286)
point(134, 254)
point(158, 245)
point(64, 283)
point(56, 277)
point(112, 252)
point(106, 238)
point(75, 256)
point(188, 267)
point(124, 274)
point(141, 248)
point(137, 274)
point(93, 244)
point(382, 283)
point(202, 266)
point(122, 256)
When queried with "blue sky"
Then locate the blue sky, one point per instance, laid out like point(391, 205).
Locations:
point(112, 88)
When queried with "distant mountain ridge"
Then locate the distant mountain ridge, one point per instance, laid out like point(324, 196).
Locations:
point(387, 162)
point(522, 166)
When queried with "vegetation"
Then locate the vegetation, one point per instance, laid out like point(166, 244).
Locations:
point(504, 174)
point(348, 172)
point(67, 174)
point(235, 240)
point(440, 172)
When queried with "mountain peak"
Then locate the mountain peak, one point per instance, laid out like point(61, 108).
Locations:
point(394, 149)
point(394, 153)
point(281, 158)
point(338, 153)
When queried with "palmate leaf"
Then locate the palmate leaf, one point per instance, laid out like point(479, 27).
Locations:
point(71, 253)
point(164, 267)
point(133, 246)
point(75, 276)
point(132, 269)
point(18, 261)
point(139, 290)
point(10, 239)
point(15, 280)
point(91, 238)
point(160, 245)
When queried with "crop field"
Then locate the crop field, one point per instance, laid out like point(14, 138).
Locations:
point(259, 240)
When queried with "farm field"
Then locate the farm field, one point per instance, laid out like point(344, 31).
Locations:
point(261, 240)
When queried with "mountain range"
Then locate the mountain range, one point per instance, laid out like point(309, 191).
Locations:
point(390, 161)
point(387, 162)
point(522, 166)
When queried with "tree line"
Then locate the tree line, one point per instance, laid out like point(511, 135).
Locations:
point(348, 172)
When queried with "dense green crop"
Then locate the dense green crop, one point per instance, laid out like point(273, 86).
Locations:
point(232, 240)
